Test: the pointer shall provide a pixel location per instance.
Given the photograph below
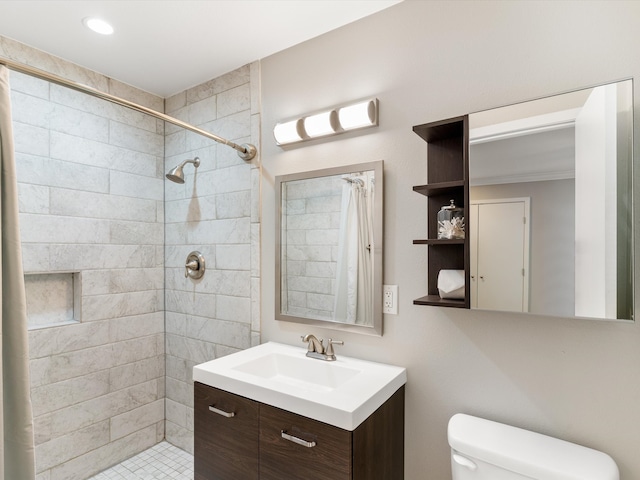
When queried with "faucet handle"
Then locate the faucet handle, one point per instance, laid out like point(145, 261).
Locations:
point(329, 351)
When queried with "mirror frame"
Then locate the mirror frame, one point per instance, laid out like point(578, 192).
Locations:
point(378, 235)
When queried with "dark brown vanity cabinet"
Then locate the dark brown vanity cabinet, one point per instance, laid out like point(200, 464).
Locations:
point(246, 440)
point(448, 179)
point(225, 438)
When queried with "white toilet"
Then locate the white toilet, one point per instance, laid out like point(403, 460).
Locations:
point(486, 450)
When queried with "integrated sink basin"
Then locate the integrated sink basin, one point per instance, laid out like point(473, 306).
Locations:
point(297, 372)
point(342, 393)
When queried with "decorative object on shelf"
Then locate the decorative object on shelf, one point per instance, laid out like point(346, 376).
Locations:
point(353, 116)
point(450, 222)
point(451, 284)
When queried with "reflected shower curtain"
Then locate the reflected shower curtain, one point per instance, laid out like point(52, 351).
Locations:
point(354, 277)
point(16, 418)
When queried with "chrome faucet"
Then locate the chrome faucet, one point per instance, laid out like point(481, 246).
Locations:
point(316, 348)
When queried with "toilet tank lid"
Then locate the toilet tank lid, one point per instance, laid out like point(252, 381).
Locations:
point(528, 453)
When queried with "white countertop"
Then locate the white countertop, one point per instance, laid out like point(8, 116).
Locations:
point(342, 393)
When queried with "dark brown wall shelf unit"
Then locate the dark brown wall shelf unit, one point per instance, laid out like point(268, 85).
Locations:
point(448, 179)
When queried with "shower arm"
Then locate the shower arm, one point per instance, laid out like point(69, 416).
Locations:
point(246, 151)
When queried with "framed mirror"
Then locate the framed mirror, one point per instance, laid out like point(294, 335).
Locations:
point(550, 210)
point(329, 247)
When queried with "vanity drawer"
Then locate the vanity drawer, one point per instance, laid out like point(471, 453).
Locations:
point(226, 437)
point(314, 451)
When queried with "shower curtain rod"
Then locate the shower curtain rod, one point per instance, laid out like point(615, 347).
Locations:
point(246, 151)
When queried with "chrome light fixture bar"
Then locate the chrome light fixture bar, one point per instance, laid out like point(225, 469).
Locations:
point(353, 116)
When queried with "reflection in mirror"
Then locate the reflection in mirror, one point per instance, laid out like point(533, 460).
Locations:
point(329, 251)
point(550, 210)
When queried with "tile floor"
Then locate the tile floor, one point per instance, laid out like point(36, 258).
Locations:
point(160, 462)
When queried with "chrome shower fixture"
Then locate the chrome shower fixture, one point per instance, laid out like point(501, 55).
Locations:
point(177, 175)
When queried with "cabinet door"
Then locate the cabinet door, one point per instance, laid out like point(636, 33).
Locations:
point(316, 451)
point(226, 435)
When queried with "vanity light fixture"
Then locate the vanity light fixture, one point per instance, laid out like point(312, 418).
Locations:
point(340, 119)
point(289, 132)
point(320, 124)
point(358, 115)
point(97, 25)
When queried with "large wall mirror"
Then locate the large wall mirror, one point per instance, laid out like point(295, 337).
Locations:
point(329, 247)
point(550, 209)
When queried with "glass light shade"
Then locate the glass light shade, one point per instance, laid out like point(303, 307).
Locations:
point(359, 115)
point(98, 25)
point(288, 132)
point(320, 124)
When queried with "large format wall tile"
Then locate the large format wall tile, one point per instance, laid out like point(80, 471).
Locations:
point(90, 180)
point(93, 203)
point(214, 212)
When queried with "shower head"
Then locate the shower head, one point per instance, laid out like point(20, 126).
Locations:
point(177, 175)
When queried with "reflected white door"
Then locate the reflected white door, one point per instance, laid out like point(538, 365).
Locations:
point(500, 234)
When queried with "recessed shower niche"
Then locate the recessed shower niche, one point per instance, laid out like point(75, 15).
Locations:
point(52, 299)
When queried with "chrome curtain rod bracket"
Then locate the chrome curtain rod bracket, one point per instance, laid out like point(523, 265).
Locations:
point(245, 151)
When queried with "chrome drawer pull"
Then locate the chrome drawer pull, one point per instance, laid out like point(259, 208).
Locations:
point(297, 440)
point(221, 412)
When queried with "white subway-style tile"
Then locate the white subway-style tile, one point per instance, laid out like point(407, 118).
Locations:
point(126, 136)
point(137, 419)
point(136, 373)
point(44, 171)
point(101, 458)
point(235, 309)
point(98, 154)
point(33, 198)
point(100, 307)
point(137, 186)
point(233, 257)
point(67, 338)
point(49, 398)
point(75, 203)
point(234, 100)
point(79, 442)
point(85, 413)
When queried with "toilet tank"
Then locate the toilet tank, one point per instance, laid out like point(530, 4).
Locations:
point(486, 450)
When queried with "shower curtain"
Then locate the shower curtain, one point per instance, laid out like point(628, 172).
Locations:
point(354, 278)
point(16, 418)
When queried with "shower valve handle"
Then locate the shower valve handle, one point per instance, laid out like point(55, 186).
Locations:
point(194, 266)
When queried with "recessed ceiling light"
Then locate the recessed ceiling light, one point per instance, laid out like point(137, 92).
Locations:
point(97, 25)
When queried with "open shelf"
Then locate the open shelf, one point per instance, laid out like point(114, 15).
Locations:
point(442, 188)
point(436, 301)
point(439, 241)
point(447, 177)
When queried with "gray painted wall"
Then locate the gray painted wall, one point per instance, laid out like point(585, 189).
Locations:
point(574, 379)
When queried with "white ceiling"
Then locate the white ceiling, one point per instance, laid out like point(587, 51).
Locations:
point(167, 46)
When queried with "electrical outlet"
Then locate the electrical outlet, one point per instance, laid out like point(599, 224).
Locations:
point(390, 299)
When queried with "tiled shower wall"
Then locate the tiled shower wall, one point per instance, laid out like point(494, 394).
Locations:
point(91, 210)
point(215, 212)
point(91, 181)
point(312, 252)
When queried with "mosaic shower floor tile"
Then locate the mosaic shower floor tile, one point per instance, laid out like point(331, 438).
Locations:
point(160, 462)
